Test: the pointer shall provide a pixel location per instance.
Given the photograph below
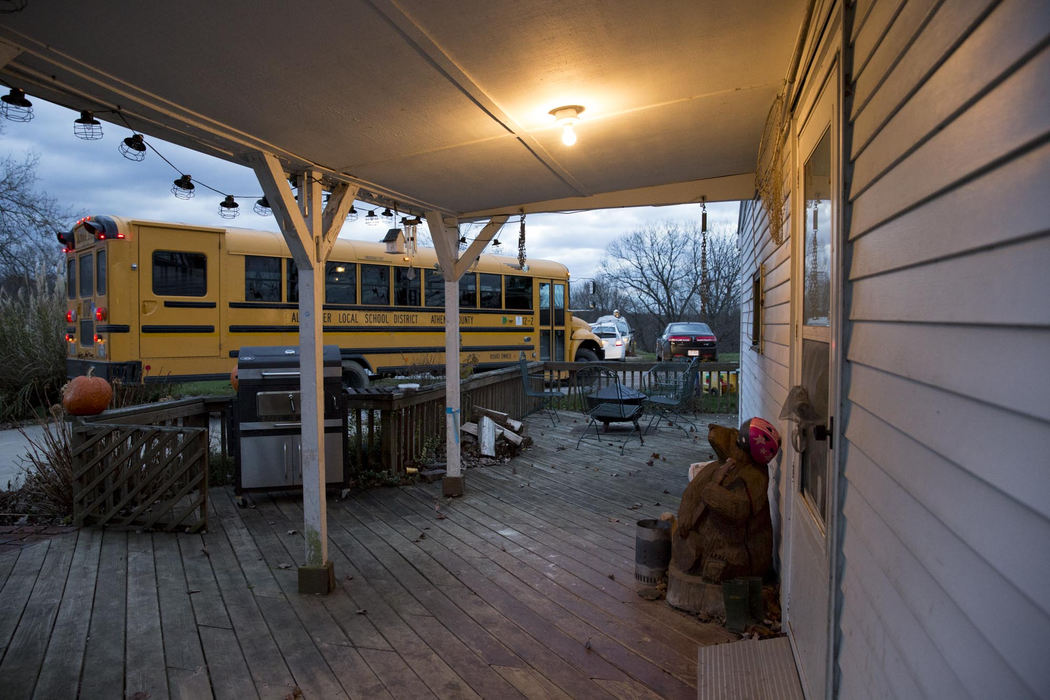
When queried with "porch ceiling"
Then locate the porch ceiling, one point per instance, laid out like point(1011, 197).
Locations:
point(437, 104)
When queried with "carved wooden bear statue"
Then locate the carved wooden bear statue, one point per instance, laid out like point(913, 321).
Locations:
point(723, 528)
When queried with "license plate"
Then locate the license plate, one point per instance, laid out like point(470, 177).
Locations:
point(694, 353)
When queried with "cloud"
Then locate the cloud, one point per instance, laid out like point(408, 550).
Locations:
point(91, 177)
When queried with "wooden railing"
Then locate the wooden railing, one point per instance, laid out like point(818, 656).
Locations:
point(391, 429)
point(143, 466)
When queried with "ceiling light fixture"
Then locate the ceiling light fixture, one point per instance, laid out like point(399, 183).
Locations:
point(228, 208)
point(15, 107)
point(262, 207)
point(567, 116)
point(183, 187)
point(87, 128)
point(133, 148)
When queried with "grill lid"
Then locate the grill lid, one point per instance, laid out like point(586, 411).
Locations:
point(280, 357)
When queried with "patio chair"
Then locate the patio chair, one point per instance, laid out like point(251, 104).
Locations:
point(607, 401)
point(670, 391)
point(547, 398)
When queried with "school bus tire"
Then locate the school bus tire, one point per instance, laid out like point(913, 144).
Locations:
point(354, 376)
point(586, 355)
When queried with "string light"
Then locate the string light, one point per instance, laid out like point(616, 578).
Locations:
point(262, 207)
point(15, 107)
point(351, 215)
point(183, 188)
point(133, 148)
point(371, 218)
point(388, 216)
point(87, 128)
point(228, 208)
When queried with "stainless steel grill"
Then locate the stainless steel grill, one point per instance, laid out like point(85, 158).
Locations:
point(268, 417)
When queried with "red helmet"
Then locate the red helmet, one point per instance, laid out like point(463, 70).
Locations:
point(760, 439)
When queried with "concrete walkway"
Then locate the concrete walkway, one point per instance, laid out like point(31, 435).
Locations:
point(13, 448)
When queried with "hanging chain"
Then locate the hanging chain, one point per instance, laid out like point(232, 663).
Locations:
point(521, 242)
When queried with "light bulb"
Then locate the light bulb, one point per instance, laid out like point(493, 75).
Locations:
point(568, 135)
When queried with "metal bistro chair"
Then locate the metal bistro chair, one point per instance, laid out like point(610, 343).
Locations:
point(670, 392)
point(547, 398)
point(607, 401)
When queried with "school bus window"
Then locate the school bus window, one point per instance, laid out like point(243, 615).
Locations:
point(262, 278)
point(435, 289)
point(468, 290)
point(87, 264)
point(178, 273)
point(491, 288)
point(340, 283)
point(375, 284)
point(406, 286)
point(519, 292)
point(100, 272)
point(292, 276)
point(71, 278)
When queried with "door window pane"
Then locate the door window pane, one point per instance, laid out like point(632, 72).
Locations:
point(816, 261)
point(406, 286)
point(71, 277)
point(518, 292)
point(468, 290)
point(340, 283)
point(435, 289)
point(179, 273)
point(491, 288)
point(87, 277)
point(100, 272)
point(262, 278)
point(375, 284)
point(814, 481)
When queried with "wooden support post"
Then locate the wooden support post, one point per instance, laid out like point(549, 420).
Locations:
point(310, 231)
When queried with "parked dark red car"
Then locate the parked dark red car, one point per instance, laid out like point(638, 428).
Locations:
point(686, 340)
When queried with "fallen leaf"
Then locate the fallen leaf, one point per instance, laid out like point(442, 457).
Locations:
point(193, 590)
point(587, 644)
point(612, 577)
point(284, 566)
point(362, 611)
point(292, 532)
point(649, 463)
point(666, 491)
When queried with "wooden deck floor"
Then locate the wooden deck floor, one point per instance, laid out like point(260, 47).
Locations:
point(523, 587)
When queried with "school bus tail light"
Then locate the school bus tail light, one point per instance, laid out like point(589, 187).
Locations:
point(100, 313)
point(69, 338)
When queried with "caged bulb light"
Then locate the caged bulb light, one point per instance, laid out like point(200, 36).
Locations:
point(133, 148)
point(87, 128)
point(262, 207)
point(15, 107)
point(228, 208)
point(351, 215)
point(183, 187)
point(567, 116)
point(372, 219)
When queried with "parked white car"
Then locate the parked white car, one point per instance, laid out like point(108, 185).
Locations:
point(626, 333)
point(612, 340)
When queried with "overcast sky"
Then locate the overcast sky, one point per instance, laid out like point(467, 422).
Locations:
point(92, 178)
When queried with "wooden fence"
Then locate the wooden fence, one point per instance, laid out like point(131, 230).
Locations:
point(391, 429)
point(143, 466)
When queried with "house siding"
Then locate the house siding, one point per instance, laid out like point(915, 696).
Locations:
point(943, 557)
point(944, 487)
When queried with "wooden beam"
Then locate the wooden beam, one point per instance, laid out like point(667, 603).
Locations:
point(339, 203)
point(282, 202)
point(472, 253)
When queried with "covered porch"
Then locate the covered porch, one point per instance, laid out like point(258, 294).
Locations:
point(525, 586)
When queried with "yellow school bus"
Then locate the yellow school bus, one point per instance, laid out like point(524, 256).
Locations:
point(152, 301)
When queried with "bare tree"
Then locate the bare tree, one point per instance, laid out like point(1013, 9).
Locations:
point(29, 219)
point(658, 267)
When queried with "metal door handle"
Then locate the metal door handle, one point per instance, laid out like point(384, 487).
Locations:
point(291, 400)
point(285, 373)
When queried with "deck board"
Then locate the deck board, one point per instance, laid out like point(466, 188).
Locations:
point(524, 587)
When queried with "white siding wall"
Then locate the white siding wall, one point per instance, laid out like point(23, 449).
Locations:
point(765, 376)
point(945, 483)
point(945, 535)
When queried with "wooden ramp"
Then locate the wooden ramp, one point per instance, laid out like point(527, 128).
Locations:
point(524, 587)
point(753, 669)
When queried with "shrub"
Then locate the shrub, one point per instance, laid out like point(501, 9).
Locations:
point(46, 492)
point(32, 349)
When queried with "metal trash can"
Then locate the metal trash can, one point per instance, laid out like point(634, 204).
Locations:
point(652, 551)
point(268, 420)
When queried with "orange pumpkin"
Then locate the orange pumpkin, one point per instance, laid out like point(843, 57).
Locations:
point(87, 395)
point(233, 377)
